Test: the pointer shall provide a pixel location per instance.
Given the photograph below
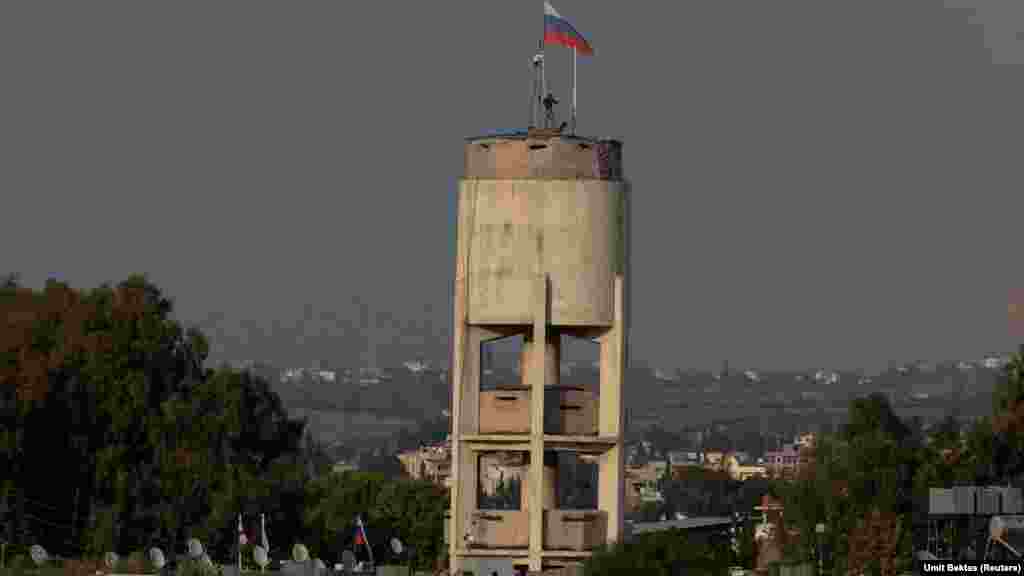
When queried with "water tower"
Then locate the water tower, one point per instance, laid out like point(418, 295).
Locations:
point(542, 252)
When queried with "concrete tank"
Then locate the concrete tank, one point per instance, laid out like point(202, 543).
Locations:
point(529, 207)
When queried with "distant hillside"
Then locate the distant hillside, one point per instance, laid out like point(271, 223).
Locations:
point(399, 395)
point(772, 402)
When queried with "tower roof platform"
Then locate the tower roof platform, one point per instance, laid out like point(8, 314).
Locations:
point(542, 154)
point(542, 134)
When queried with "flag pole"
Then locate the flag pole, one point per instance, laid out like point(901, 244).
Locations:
point(543, 85)
point(366, 541)
point(574, 90)
point(543, 65)
point(532, 93)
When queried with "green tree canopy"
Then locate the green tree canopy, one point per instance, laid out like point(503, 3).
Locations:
point(106, 389)
point(664, 553)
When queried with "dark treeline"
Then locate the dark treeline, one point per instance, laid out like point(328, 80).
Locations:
point(115, 436)
point(868, 483)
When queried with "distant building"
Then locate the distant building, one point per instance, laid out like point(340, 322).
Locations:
point(642, 484)
point(293, 375)
point(690, 531)
point(714, 460)
point(789, 460)
point(806, 440)
point(739, 465)
point(742, 468)
point(431, 463)
point(994, 362)
point(678, 458)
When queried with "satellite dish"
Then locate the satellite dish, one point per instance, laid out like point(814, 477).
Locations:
point(300, 553)
point(396, 546)
point(156, 558)
point(348, 560)
point(38, 554)
point(195, 549)
point(110, 559)
point(259, 555)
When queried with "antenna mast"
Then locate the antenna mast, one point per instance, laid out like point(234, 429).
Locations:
point(541, 98)
point(537, 97)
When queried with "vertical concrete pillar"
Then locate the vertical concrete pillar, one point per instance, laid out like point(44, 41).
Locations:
point(456, 524)
point(465, 420)
point(550, 490)
point(552, 361)
point(538, 372)
point(610, 466)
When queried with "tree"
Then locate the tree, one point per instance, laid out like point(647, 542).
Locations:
point(410, 510)
point(860, 486)
point(661, 553)
point(701, 492)
point(153, 445)
point(1008, 421)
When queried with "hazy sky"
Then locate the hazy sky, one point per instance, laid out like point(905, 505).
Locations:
point(832, 184)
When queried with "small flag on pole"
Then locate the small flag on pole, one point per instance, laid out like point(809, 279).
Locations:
point(361, 538)
point(263, 528)
point(557, 30)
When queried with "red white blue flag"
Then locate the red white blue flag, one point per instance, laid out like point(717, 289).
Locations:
point(557, 30)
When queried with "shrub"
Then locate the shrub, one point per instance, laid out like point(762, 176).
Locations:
point(196, 568)
point(661, 553)
point(20, 562)
point(135, 563)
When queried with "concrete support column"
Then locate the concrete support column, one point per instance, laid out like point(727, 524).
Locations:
point(611, 490)
point(537, 375)
point(611, 485)
point(456, 523)
point(550, 489)
point(552, 360)
point(465, 420)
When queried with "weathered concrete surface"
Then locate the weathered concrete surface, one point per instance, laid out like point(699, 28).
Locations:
point(542, 252)
point(510, 231)
point(558, 158)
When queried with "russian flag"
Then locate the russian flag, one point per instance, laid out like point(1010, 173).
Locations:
point(557, 30)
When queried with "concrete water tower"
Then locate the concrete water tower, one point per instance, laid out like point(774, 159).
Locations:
point(542, 252)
